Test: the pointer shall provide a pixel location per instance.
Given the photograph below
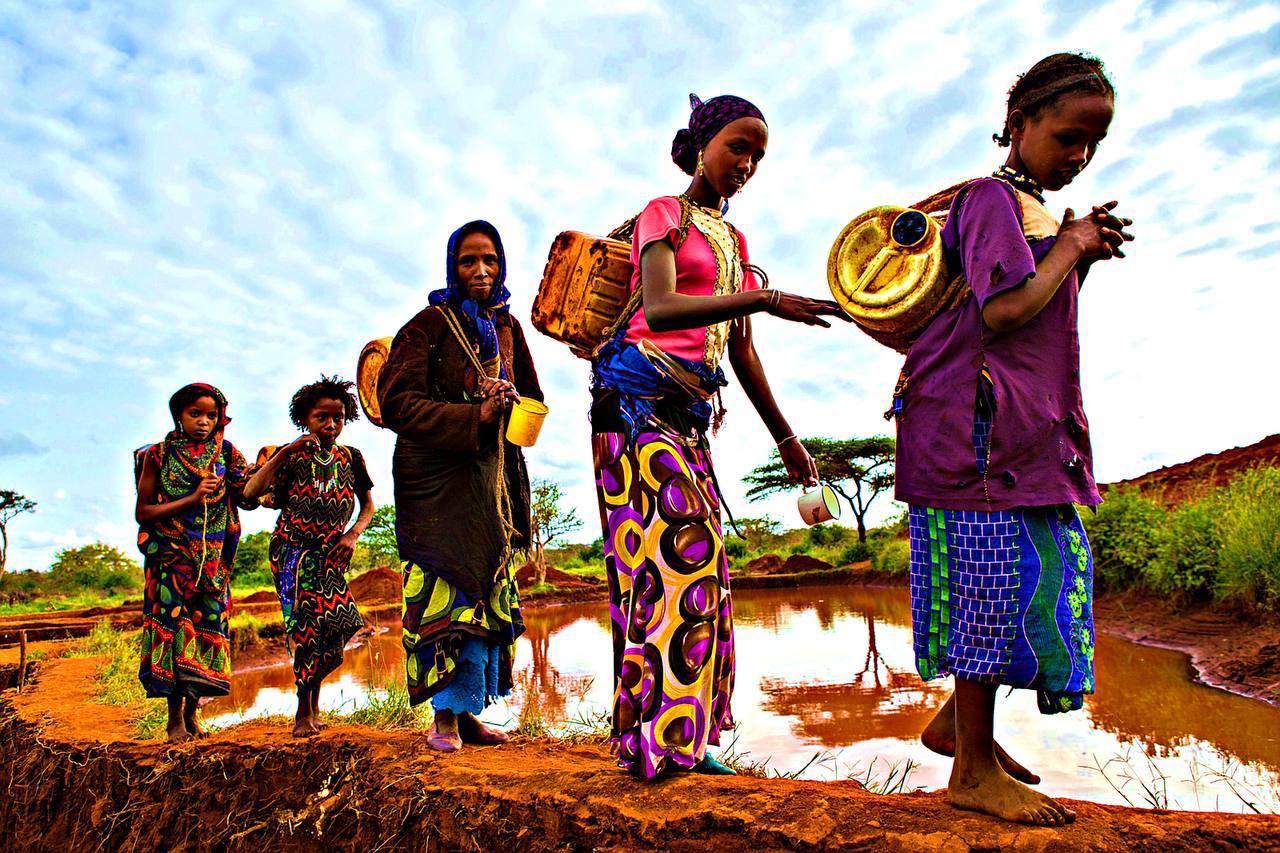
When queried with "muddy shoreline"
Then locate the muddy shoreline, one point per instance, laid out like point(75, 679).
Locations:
point(75, 781)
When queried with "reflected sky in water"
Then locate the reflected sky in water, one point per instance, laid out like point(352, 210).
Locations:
point(826, 682)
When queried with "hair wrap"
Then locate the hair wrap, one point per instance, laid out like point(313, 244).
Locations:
point(706, 120)
point(188, 394)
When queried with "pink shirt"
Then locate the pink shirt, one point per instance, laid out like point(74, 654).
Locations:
point(695, 275)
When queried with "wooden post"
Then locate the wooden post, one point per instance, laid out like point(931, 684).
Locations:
point(22, 659)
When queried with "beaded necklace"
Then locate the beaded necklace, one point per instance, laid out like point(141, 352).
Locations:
point(324, 480)
point(1024, 182)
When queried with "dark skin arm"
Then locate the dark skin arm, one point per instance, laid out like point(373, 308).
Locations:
point(1096, 237)
point(665, 310)
point(346, 546)
point(149, 510)
point(260, 483)
point(750, 372)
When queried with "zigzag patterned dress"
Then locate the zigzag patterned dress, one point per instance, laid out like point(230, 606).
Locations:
point(316, 492)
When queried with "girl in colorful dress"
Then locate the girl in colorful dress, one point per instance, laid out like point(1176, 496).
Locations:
point(190, 487)
point(993, 444)
point(462, 490)
point(315, 483)
point(652, 387)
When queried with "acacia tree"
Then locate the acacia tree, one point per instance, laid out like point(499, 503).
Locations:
point(858, 469)
point(550, 522)
point(12, 505)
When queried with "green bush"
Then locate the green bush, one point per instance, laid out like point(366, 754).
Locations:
point(824, 535)
point(1185, 562)
point(252, 563)
point(1123, 534)
point(894, 558)
point(592, 552)
point(856, 553)
point(1249, 532)
point(736, 548)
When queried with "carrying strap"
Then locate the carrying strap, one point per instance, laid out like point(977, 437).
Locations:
point(625, 233)
point(506, 513)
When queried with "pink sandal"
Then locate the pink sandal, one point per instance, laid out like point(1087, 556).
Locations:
point(444, 741)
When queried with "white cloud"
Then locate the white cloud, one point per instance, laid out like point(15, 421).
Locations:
point(245, 195)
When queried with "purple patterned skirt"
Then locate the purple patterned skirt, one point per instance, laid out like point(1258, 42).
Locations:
point(672, 617)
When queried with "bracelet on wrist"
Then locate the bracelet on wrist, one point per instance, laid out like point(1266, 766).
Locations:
point(783, 441)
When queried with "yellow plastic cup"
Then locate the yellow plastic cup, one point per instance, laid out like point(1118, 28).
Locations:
point(525, 421)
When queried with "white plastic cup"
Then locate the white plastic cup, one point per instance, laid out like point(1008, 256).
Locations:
point(819, 505)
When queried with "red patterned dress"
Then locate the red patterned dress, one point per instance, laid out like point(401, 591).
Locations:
point(316, 492)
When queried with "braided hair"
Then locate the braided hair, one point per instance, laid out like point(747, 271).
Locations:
point(325, 388)
point(1050, 79)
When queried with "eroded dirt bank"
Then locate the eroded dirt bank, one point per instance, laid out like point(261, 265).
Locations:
point(74, 780)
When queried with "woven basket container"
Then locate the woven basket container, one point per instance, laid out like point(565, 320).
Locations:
point(887, 271)
point(584, 289)
point(368, 370)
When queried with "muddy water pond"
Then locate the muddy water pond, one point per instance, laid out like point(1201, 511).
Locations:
point(827, 688)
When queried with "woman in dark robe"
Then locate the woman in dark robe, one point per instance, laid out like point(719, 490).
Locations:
point(461, 490)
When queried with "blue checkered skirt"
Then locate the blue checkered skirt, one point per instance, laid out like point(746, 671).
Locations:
point(1004, 598)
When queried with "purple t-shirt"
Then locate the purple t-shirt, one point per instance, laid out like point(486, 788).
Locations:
point(1039, 446)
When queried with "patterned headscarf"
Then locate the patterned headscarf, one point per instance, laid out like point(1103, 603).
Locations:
point(706, 120)
point(477, 316)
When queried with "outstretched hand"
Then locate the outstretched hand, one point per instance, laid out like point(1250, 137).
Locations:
point(801, 309)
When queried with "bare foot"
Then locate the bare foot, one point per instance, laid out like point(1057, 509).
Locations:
point(998, 794)
point(304, 725)
point(177, 733)
point(474, 731)
point(940, 737)
point(193, 727)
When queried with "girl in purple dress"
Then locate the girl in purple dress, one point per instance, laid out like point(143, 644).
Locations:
point(993, 444)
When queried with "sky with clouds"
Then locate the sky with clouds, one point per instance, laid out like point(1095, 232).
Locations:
point(243, 195)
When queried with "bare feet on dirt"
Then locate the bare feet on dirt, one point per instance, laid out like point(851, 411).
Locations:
point(192, 725)
point(304, 724)
point(999, 794)
point(177, 733)
point(940, 737)
point(474, 731)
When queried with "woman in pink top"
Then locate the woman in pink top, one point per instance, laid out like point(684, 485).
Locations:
point(652, 387)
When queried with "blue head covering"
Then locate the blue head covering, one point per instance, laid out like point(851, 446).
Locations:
point(478, 316)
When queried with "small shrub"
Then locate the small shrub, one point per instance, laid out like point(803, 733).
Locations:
point(823, 535)
point(1124, 535)
point(1249, 530)
point(736, 548)
point(593, 552)
point(1185, 563)
point(894, 558)
point(856, 553)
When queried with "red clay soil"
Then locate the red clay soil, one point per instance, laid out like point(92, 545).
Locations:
point(376, 586)
point(1185, 481)
point(560, 579)
point(75, 780)
point(1226, 650)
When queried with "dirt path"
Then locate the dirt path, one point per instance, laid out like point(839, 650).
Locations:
point(75, 780)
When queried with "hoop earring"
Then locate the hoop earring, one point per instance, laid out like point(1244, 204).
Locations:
point(698, 171)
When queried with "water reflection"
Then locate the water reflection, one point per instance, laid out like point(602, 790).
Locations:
point(830, 670)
